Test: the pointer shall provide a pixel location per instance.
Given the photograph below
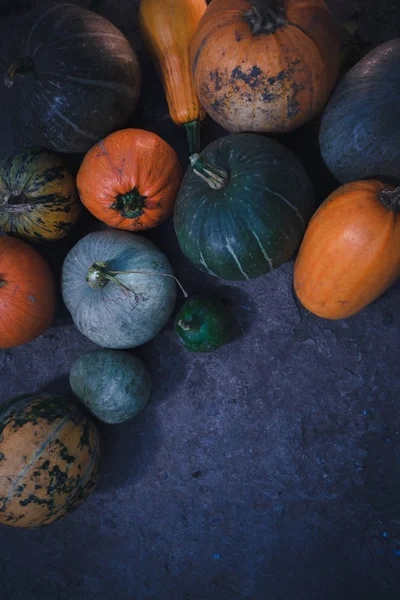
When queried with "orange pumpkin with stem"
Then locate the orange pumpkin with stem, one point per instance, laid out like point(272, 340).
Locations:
point(350, 253)
point(130, 180)
point(27, 293)
point(265, 65)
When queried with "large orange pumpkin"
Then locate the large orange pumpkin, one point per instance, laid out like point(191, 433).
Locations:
point(130, 180)
point(350, 253)
point(27, 293)
point(265, 65)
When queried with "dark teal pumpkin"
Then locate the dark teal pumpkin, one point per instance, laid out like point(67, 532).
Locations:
point(68, 76)
point(114, 385)
point(118, 287)
point(203, 324)
point(360, 128)
point(243, 207)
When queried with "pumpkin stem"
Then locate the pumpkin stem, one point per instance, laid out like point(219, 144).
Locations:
point(186, 295)
point(193, 135)
point(391, 199)
point(216, 177)
point(99, 275)
point(266, 16)
point(185, 326)
point(17, 203)
point(22, 66)
point(130, 205)
point(2, 283)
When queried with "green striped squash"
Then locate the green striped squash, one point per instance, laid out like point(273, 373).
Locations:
point(49, 457)
point(38, 196)
point(243, 207)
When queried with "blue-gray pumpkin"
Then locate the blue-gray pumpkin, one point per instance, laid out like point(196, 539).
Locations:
point(118, 287)
point(360, 128)
point(113, 385)
point(243, 207)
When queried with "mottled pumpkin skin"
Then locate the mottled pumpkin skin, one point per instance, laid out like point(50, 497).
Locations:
point(116, 317)
point(253, 224)
point(28, 296)
point(79, 77)
point(113, 385)
point(49, 459)
point(360, 128)
point(350, 253)
point(265, 82)
point(38, 197)
point(130, 160)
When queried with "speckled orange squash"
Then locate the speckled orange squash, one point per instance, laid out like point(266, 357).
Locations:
point(27, 293)
point(350, 253)
point(167, 27)
point(130, 180)
point(265, 65)
point(49, 457)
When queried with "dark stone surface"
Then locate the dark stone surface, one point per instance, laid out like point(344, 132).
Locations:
point(268, 470)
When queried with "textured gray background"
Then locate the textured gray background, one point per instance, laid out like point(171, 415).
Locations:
point(266, 471)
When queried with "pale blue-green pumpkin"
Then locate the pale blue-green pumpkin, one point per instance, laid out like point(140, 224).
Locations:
point(119, 288)
point(113, 385)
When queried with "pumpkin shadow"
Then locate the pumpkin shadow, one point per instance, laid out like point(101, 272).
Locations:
point(127, 449)
point(60, 386)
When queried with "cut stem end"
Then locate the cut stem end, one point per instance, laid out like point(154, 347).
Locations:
point(216, 177)
point(391, 199)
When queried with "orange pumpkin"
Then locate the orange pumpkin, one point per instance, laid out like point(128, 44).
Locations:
point(130, 180)
point(167, 27)
point(265, 65)
point(350, 253)
point(27, 293)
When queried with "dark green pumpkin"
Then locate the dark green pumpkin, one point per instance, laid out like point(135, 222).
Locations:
point(114, 385)
point(203, 324)
point(49, 459)
point(38, 196)
point(69, 77)
point(360, 128)
point(254, 218)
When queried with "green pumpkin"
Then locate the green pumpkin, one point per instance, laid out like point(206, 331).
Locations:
point(243, 207)
point(203, 324)
point(38, 196)
point(118, 287)
point(113, 385)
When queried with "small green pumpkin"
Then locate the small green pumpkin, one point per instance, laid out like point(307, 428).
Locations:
point(203, 324)
point(114, 385)
point(243, 207)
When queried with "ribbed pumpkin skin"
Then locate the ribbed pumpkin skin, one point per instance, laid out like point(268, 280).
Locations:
point(114, 317)
point(266, 81)
point(27, 293)
point(167, 27)
point(49, 458)
point(86, 77)
point(350, 253)
point(360, 128)
point(126, 160)
point(255, 223)
point(38, 196)
point(114, 385)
